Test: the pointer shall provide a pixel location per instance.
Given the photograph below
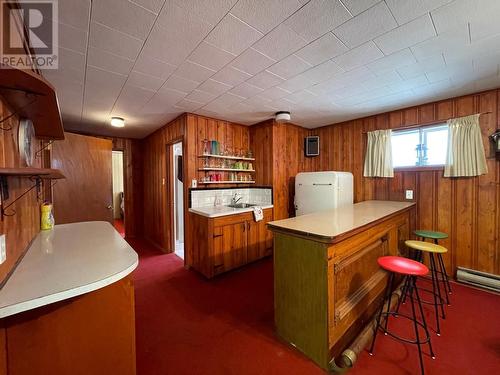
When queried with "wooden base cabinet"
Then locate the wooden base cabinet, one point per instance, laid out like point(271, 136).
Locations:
point(228, 242)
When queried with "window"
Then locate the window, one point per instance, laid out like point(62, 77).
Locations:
point(424, 146)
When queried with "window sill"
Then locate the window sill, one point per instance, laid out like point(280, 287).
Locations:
point(427, 168)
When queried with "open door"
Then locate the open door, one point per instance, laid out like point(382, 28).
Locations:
point(86, 192)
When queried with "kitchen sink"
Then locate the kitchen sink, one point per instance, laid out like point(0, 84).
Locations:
point(241, 205)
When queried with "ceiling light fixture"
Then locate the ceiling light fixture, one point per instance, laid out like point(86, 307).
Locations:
point(282, 116)
point(117, 122)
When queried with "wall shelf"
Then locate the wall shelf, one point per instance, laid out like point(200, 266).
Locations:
point(31, 96)
point(43, 173)
point(226, 157)
point(226, 182)
point(226, 170)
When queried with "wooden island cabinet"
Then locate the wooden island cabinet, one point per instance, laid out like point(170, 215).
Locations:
point(227, 242)
point(327, 283)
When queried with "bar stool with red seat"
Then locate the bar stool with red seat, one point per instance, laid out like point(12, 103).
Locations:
point(410, 269)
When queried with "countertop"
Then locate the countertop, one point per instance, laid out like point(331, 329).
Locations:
point(67, 261)
point(217, 211)
point(330, 224)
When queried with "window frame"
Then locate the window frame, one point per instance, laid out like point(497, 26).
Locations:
point(420, 128)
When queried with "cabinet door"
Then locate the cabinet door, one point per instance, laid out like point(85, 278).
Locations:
point(260, 239)
point(230, 246)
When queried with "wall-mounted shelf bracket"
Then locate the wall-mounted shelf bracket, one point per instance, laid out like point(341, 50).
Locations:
point(5, 194)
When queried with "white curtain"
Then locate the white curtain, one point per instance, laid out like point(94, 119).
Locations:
point(465, 152)
point(378, 157)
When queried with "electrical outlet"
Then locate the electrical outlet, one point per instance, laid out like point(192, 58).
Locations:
point(3, 249)
point(409, 194)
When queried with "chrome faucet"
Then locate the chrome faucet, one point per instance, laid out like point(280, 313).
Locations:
point(236, 198)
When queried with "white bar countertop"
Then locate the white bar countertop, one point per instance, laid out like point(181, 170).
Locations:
point(217, 211)
point(332, 223)
point(67, 261)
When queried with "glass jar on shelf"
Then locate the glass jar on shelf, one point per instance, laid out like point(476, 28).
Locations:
point(205, 147)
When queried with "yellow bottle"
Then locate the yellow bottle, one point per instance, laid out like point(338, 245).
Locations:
point(46, 216)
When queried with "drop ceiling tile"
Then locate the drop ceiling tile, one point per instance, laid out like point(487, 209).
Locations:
point(108, 84)
point(484, 25)
point(131, 99)
point(75, 13)
point(317, 18)
point(257, 101)
point(151, 5)
point(421, 66)
point(180, 84)
point(124, 16)
point(264, 15)
point(211, 57)
point(482, 47)
point(274, 93)
point(245, 90)
point(387, 78)
point(358, 6)
point(188, 105)
point(161, 103)
point(289, 67)
point(449, 41)
point(231, 76)
point(108, 61)
point(359, 56)
point(322, 72)
point(408, 10)
point(168, 96)
point(194, 72)
point(154, 67)
point(214, 87)
point(462, 69)
point(296, 83)
point(280, 42)
point(72, 38)
point(406, 35)
point(233, 35)
point(201, 96)
point(391, 62)
point(210, 10)
point(252, 61)
point(71, 65)
point(366, 26)
point(144, 81)
point(300, 96)
point(322, 49)
point(265, 79)
point(113, 41)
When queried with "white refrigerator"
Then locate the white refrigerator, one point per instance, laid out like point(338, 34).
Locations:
point(319, 191)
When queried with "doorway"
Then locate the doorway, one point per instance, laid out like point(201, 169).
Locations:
point(178, 190)
point(118, 192)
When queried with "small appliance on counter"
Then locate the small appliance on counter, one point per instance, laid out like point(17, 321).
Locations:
point(319, 191)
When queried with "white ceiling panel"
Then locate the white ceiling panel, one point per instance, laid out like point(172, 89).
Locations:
point(242, 60)
point(124, 16)
point(366, 26)
point(252, 61)
point(289, 67)
point(233, 35)
point(317, 18)
point(280, 42)
point(210, 10)
point(264, 15)
point(362, 55)
point(407, 35)
point(108, 61)
point(210, 56)
point(114, 41)
point(322, 49)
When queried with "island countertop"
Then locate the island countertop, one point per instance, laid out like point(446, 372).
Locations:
point(67, 261)
point(330, 224)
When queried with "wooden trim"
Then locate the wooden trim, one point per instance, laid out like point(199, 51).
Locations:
point(420, 168)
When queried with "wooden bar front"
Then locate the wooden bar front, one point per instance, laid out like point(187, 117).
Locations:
point(327, 290)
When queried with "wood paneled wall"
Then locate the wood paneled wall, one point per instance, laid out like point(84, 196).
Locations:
point(468, 209)
point(24, 224)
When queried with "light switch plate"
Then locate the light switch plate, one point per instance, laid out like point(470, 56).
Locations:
point(409, 194)
point(3, 249)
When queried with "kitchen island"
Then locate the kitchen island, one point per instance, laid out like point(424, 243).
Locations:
point(327, 283)
point(68, 308)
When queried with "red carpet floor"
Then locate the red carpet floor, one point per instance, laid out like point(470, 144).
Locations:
point(188, 325)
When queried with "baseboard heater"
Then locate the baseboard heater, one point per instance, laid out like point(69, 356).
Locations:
point(479, 279)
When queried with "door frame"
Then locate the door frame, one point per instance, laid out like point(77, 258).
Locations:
point(123, 150)
point(169, 192)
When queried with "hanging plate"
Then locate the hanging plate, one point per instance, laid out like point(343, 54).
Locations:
point(26, 140)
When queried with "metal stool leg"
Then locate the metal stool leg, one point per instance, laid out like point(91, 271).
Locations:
point(389, 297)
point(434, 295)
point(424, 322)
point(387, 294)
point(443, 272)
point(413, 288)
point(438, 284)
